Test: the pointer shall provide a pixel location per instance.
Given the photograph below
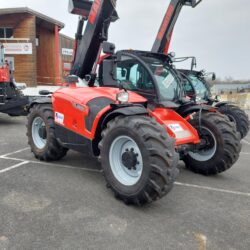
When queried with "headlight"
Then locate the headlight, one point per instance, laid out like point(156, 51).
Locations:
point(122, 97)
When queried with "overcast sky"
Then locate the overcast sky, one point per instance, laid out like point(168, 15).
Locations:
point(217, 32)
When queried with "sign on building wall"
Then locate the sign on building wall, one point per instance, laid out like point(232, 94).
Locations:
point(67, 52)
point(67, 66)
point(18, 48)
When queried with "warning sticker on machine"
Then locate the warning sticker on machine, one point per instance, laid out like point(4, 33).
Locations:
point(59, 118)
point(176, 127)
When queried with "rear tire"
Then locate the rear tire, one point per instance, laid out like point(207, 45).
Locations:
point(138, 139)
point(42, 140)
point(238, 116)
point(222, 148)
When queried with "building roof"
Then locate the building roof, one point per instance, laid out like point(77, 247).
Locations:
point(40, 17)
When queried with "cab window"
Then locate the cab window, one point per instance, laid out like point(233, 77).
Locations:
point(135, 76)
point(188, 88)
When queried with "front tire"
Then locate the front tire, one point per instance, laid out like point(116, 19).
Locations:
point(41, 134)
point(221, 144)
point(138, 159)
point(238, 116)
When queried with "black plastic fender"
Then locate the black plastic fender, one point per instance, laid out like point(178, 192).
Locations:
point(117, 110)
point(189, 109)
point(221, 104)
point(39, 100)
point(125, 111)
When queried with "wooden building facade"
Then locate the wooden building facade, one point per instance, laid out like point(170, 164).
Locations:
point(33, 45)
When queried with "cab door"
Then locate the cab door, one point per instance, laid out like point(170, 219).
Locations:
point(135, 77)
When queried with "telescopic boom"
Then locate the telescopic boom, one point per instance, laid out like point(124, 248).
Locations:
point(99, 15)
point(162, 42)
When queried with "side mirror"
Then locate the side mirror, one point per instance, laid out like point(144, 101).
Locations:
point(213, 77)
point(109, 76)
point(108, 48)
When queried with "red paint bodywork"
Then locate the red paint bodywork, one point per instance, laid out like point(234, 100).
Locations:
point(4, 74)
point(166, 49)
point(168, 117)
point(65, 100)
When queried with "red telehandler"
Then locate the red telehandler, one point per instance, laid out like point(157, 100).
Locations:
point(161, 45)
point(137, 155)
point(12, 101)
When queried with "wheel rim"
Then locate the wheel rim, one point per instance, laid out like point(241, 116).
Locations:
point(39, 135)
point(207, 152)
point(126, 160)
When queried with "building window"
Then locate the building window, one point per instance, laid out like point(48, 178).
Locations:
point(6, 33)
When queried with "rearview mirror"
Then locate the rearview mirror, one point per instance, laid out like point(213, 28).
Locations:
point(109, 73)
point(213, 77)
point(108, 48)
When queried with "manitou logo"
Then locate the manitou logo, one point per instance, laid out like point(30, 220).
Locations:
point(94, 11)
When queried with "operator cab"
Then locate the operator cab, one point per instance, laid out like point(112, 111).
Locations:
point(197, 82)
point(148, 74)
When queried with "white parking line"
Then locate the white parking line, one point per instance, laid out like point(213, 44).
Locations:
point(245, 153)
point(24, 162)
point(212, 189)
point(14, 152)
point(52, 164)
point(14, 167)
point(66, 166)
point(245, 141)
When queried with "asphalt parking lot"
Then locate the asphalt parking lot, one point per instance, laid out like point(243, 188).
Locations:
point(65, 205)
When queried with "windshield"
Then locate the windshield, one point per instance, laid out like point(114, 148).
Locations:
point(200, 87)
point(167, 81)
point(136, 77)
